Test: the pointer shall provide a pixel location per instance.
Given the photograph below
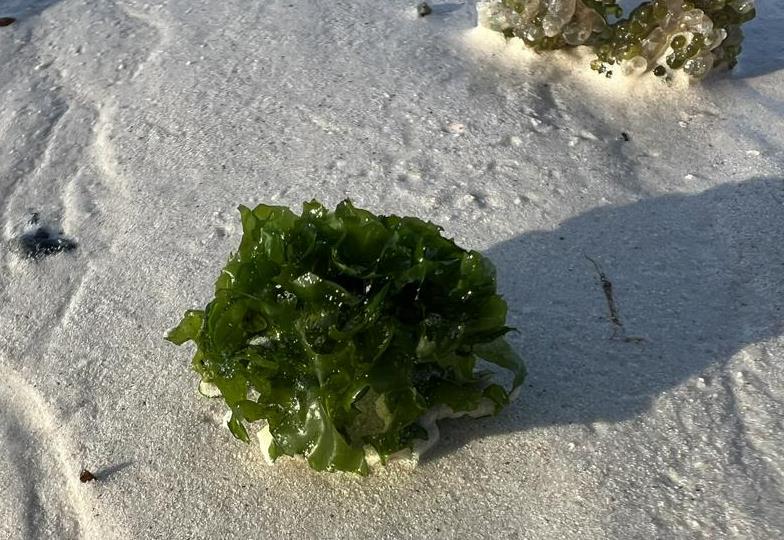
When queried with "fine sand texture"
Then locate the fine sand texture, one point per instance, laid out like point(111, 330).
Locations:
point(130, 131)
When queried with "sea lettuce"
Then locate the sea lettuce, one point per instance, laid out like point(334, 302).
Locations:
point(341, 329)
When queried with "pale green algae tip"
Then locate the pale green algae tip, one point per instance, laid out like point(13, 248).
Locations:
point(662, 36)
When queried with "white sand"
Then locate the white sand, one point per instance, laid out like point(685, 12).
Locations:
point(138, 127)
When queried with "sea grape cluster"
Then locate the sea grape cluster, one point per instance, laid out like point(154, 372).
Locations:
point(660, 36)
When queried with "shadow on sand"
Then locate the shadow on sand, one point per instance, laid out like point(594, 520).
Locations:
point(696, 278)
point(763, 48)
point(22, 9)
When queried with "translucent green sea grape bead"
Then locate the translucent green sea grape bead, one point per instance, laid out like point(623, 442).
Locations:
point(659, 34)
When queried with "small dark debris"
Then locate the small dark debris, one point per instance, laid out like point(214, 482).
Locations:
point(625, 136)
point(424, 9)
point(634, 339)
point(86, 476)
point(608, 294)
point(660, 71)
point(7, 21)
point(39, 240)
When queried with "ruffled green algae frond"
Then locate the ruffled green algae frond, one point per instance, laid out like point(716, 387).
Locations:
point(660, 36)
point(341, 329)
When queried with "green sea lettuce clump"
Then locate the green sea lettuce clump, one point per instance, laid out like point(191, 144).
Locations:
point(341, 329)
point(661, 36)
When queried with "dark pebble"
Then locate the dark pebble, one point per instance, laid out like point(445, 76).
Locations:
point(424, 9)
point(39, 240)
point(86, 476)
point(7, 21)
point(44, 241)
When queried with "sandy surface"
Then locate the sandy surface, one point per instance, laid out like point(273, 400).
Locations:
point(138, 127)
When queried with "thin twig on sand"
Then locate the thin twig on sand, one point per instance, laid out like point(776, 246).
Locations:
point(612, 306)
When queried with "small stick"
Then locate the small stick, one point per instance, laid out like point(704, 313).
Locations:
point(607, 287)
point(615, 317)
